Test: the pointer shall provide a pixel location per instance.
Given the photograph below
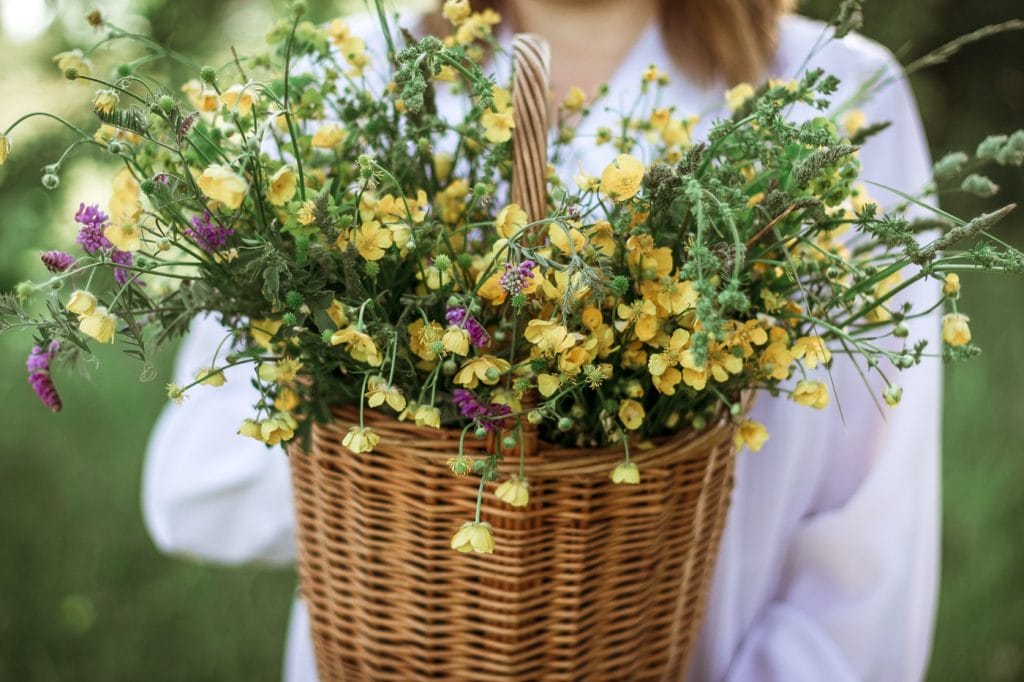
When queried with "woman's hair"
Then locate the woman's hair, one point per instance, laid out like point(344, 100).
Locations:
point(734, 40)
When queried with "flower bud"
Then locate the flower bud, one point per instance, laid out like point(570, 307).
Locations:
point(208, 75)
point(51, 181)
point(892, 395)
point(565, 424)
point(480, 432)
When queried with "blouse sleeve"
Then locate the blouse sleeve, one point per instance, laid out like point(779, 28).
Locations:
point(208, 492)
point(858, 591)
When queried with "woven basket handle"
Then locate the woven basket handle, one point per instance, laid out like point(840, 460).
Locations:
point(530, 86)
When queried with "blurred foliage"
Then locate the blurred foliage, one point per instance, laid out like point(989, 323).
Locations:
point(85, 596)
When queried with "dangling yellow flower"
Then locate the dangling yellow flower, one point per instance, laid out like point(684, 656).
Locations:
point(547, 384)
point(456, 11)
point(631, 413)
point(625, 473)
point(378, 391)
point(73, 59)
point(98, 324)
point(854, 121)
point(811, 393)
point(372, 240)
point(360, 439)
point(222, 184)
point(486, 368)
point(575, 99)
point(776, 360)
point(211, 376)
point(276, 429)
point(262, 331)
point(456, 341)
point(514, 491)
point(644, 315)
point(751, 434)
point(955, 331)
point(428, 415)
point(622, 178)
point(951, 285)
point(287, 399)
point(737, 96)
point(474, 537)
point(240, 98)
point(106, 101)
point(550, 337)
point(282, 186)
point(81, 303)
point(250, 428)
point(359, 345)
point(328, 136)
point(285, 369)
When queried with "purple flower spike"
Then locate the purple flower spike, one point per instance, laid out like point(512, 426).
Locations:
point(38, 366)
point(92, 220)
point(208, 234)
point(515, 277)
point(122, 258)
point(57, 261)
point(460, 317)
point(470, 406)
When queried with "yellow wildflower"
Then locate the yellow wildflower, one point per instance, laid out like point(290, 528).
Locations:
point(336, 312)
point(811, 393)
point(514, 491)
point(422, 339)
point(737, 96)
point(550, 337)
point(456, 341)
point(287, 399)
point(474, 537)
point(951, 285)
point(643, 315)
point(574, 99)
point(631, 414)
point(81, 303)
point(359, 345)
point(567, 240)
point(264, 330)
point(776, 360)
point(477, 26)
point(955, 331)
point(306, 214)
point(456, 11)
point(328, 136)
point(222, 184)
point(250, 428)
point(622, 178)
point(126, 237)
point(547, 384)
point(353, 49)
point(428, 415)
point(281, 186)
point(486, 368)
point(284, 369)
point(73, 59)
point(99, 324)
point(372, 240)
point(379, 391)
point(360, 439)
point(5, 148)
point(510, 221)
point(625, 473)
point(105, 101)
point(240, 98)
point(812, 349)
point(211, 376)
point(498, 126)
point(751, 434)
point(854, 120)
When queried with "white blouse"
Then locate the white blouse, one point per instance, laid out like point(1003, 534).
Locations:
point(829, 559)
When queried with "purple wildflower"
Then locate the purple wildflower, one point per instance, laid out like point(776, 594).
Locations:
point(57, 261)
point(470, 406)
point(38, 366)
point(515, 277)
point(460, 317)
point(122, 258)
point(207, 233)
point(92, 220)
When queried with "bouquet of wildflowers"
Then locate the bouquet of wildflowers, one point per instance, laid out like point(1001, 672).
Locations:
point(359, 247)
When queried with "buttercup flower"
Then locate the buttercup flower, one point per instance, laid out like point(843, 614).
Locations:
point(106, 101)
point(811, 393)
point(514, 491)
point(751, 434)
point(239, 98)
point(211, 376)
point(574, 99)
point(378, 391)
point(73, 60)
point(498, 126)
point(955, 331)
point(126, 237)
point(360, 439)
point(456, 11)
point(276, 429)
point(510, 221)
point(737, 96)
point(359, 345)
point(631, 414)
point(428, 415)
point(486, 368)
point(81, 303)
point(812, 349)
point(99, 324)
point(282, 185)
point(328, 136)
point(474, 537)
point(951, 285)
point(222, 184)
point(372, 240)
point(622, 178)
point(625, 473)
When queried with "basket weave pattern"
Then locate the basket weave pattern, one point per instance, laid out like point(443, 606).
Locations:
point(591, 581)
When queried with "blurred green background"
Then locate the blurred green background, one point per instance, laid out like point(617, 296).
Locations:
point(83, 593)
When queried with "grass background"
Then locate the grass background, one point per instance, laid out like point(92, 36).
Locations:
point(83, 593)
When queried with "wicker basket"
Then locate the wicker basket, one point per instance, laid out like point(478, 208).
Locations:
point(591, 581)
